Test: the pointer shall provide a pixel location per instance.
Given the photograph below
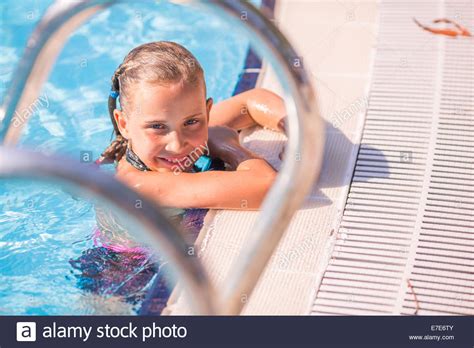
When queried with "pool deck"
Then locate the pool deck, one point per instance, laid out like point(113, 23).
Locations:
point(323, 32)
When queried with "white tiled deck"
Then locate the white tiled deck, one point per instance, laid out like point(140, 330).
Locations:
point(405, 244)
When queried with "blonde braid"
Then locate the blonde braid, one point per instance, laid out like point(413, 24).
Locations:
point(115, 151)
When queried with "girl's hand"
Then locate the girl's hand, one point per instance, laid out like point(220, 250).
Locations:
point(282, 127)
point(224, 143)
point(221, 140)
point(220, 136)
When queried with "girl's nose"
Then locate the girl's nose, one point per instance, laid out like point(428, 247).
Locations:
point(175, 143)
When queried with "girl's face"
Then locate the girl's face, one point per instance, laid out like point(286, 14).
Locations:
point(167, 126)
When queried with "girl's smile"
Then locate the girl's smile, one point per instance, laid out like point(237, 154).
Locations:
point(172, 163)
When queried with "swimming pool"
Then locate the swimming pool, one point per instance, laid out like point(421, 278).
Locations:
point(43, 228)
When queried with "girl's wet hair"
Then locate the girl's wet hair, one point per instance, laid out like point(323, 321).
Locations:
point(162, 63)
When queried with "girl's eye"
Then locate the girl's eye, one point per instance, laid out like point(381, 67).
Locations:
point(158, 126)
point(191, 122)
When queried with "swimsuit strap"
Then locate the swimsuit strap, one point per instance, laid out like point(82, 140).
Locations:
point(135, 161)
point(203, 164)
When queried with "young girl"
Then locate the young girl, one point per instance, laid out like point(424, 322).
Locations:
point(166, 129)
point(173, 146)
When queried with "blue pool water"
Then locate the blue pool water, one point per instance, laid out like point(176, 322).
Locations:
point(42, 227)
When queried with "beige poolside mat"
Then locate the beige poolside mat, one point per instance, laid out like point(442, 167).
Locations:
point(289, 282)
point(406, 241)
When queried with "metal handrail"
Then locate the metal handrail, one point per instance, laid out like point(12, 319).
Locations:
point(303, 155)
point(148, 223)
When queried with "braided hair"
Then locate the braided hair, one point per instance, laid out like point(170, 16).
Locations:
point(158, 62)
point(115, 151)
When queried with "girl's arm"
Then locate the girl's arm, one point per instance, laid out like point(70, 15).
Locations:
point(242, 189)
point(244, 110)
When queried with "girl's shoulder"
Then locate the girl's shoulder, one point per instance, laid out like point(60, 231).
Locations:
point(122, 167)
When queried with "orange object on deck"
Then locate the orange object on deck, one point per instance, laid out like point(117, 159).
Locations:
point(453, 32)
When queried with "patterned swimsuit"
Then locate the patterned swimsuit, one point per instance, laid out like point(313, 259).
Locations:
point(119, 266)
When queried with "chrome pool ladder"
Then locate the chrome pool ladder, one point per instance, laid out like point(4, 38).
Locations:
point(300, 168)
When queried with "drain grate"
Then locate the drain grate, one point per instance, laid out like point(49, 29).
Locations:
point(406, 240)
